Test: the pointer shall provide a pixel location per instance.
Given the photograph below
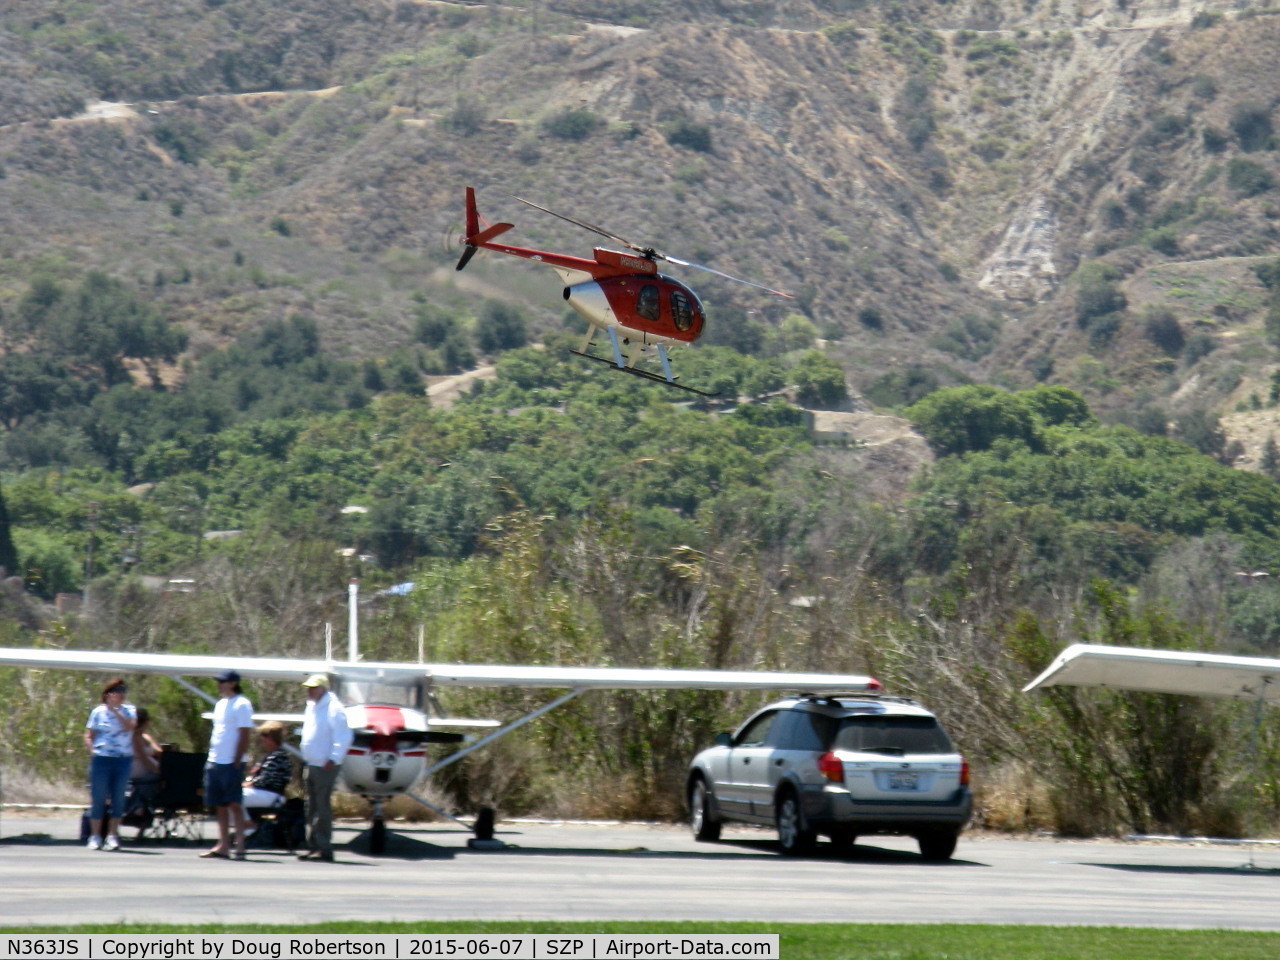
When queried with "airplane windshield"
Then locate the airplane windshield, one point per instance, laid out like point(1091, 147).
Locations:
point(374, 691)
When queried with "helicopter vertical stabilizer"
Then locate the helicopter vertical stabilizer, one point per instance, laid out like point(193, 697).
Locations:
point(477, 237)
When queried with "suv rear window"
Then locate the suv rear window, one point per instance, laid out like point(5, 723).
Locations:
point(892, 735)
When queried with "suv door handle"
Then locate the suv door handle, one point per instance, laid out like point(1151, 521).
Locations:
point(779, 762)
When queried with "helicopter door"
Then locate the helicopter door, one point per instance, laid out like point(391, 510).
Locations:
point(647, 302)
point(681, 311)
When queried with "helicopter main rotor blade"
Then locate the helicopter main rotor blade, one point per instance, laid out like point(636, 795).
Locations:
point(727, 276)
point(646, 251)
point(650, 253)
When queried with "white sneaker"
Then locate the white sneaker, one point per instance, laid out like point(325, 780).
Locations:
point(112, 843)
point(95, 842)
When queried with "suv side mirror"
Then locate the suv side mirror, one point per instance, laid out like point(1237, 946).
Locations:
point(724, 740)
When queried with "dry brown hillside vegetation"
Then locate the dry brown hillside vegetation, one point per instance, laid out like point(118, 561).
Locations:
point(954, 191)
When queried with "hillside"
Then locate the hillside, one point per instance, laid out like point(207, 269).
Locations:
point(927, 177)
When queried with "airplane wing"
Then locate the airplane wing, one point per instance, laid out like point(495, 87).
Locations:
point(1163, 671)
point(643, 678)
point(438, 674)
point(167, 664)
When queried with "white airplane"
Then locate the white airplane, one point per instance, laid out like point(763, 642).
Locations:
point(1163, 671)
point(394, 712)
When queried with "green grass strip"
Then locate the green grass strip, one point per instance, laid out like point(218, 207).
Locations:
point(828, 941)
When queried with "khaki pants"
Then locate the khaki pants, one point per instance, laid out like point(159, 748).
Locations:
point(319, 783)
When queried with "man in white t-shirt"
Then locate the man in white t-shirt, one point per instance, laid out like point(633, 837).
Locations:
point(224, 770)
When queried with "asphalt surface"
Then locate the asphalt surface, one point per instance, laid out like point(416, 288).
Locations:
point(595, 872)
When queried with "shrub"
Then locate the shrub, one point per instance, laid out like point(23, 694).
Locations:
point(1161, 327)
point(1214, 140)
point(1205, 19)
point(1198, 346)
point(1164, 240)
point(1097, 291)
point(466, 117)
point(572, 124)
point(1249, 178)
point(183, 138)
point(1251, 123)
point(871, 318)
point(690, 135)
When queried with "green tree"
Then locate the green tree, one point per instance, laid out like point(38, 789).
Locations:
point(966, 419)
point(819, 380)
point(1269, 461)
point(500, 327)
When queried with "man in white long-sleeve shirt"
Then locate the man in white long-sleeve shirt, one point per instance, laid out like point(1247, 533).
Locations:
point(325, 741)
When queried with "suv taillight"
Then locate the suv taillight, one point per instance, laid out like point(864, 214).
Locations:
point(964, 772)
point(831, 767)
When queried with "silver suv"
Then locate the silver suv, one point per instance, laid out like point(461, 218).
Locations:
point(840, 766)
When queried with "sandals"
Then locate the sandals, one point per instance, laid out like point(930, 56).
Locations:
point(213, 855)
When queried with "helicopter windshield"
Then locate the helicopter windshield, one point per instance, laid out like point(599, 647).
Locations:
point(686, 309)
point(403, 694)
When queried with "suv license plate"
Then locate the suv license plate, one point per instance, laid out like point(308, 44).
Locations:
point(903, 781)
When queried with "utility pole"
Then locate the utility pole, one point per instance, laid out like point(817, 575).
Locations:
point(88, 560)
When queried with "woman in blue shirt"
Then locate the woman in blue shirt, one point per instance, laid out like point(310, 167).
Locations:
point(108, 736)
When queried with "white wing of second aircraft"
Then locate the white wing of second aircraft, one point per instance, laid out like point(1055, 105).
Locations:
point(1163, 671)
point(439, 674)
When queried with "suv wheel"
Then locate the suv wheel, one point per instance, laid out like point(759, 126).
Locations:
point(937, 844)
point(701, 818)
point(792, 835)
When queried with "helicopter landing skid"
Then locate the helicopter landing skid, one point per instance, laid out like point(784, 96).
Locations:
point(644, 374)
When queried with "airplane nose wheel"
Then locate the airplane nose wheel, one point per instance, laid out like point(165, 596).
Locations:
point(378, 831)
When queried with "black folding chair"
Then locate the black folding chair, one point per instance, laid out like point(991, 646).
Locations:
point(175, 810)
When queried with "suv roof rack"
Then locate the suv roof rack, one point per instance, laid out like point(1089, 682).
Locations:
point(831, 697)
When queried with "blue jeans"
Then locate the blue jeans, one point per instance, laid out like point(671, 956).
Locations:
point(108, 778)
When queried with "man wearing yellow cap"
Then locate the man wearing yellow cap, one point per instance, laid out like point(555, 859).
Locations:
point(325, 741)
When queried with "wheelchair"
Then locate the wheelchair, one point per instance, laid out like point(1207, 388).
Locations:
point(172, 807)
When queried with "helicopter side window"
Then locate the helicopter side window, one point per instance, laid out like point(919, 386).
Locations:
point(681, 310)
point(647, 302)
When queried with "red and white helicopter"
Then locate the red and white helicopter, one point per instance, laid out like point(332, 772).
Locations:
point(392, 707)
point(623, 294)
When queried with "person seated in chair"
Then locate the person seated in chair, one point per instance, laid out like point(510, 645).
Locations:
point(144, 775)
point(265, 783)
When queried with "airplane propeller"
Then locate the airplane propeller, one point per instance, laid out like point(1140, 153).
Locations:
point(649, 253)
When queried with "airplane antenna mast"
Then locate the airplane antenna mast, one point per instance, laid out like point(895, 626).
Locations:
point(353, 626)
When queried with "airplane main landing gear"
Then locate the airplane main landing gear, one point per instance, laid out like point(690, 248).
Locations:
point(483, 830)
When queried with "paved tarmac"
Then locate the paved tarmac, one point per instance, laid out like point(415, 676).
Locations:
point(595, 872)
